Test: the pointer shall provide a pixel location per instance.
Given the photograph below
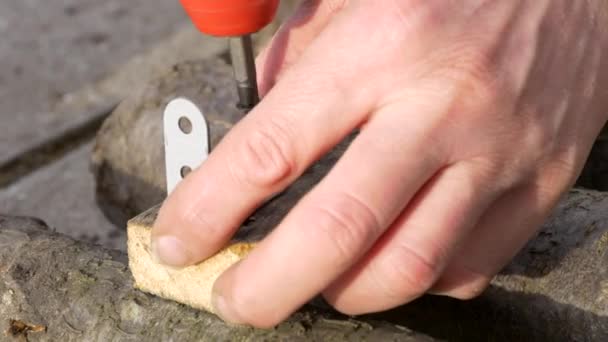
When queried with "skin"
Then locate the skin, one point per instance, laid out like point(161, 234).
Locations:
point(476, 116)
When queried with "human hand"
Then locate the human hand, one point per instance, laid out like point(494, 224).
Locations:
point(475, 116)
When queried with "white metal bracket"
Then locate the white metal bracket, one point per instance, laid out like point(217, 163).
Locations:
point(186, 136)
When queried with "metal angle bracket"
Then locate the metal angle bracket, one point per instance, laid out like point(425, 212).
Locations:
point(186, 136)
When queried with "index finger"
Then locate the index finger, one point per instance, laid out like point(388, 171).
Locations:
point(299, 120)
point(332, 227)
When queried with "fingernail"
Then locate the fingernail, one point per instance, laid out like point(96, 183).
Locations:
point(170, 251)
point(224, 310)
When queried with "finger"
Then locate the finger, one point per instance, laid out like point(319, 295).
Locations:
point(501, 233)
point(292, 38)
point(409, 258)
point(292, 127)
point(333, 225)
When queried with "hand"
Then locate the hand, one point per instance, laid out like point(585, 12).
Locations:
point(475, 116)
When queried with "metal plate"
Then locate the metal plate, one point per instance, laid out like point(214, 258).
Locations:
point(186, 135)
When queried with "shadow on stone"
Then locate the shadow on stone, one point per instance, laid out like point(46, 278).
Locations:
point(128, 158)
point(119, 209)
point(499, 315)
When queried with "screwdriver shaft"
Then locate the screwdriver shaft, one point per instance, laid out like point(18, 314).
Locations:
point(243, 63)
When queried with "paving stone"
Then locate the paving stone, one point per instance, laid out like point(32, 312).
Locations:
point(63, 195)
point(63, 60)
point(28, 120)
point(50, 48)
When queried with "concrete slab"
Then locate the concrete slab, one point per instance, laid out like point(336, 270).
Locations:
point(50, 48)
point(50, 83)
point(62, 194)
point(56, 53)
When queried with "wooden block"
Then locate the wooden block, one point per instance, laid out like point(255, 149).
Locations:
point(193, 285)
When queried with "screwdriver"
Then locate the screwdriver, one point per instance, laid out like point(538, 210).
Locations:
point(237, 20)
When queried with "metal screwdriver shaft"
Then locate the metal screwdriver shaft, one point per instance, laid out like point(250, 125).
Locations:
point(237, 19)
point(243, 63)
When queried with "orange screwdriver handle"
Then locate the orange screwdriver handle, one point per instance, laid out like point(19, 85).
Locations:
point(230, 17)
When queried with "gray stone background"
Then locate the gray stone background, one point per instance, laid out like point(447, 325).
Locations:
point(63, 63)
point(64, 66)
point(48, 49)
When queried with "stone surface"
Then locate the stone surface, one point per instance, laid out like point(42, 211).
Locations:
point(80, 292)
point(52, 133)
point(63, 195)
point(30, 126)
point(128, 159)
point(554, 291)
point(64, 60)
point(50, 48)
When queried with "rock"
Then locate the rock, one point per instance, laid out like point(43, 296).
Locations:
point(63, 195)
point(84, 292)
point(53, 288)
point(128, 158)
point(49, 49)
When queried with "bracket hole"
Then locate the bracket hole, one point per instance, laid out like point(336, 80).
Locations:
point(185, 125)
point(184, 171)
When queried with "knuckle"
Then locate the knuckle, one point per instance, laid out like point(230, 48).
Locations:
point(554, 178)
point(334, 6)
point(540, 160)
point(348, 224)
point(536, 143)
point(407, 273)
point(493, 173)
point(467, 64)
point(408, 9)
point(266, 156)
point(408, 17)
point(475, 73)
point(564, 169)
